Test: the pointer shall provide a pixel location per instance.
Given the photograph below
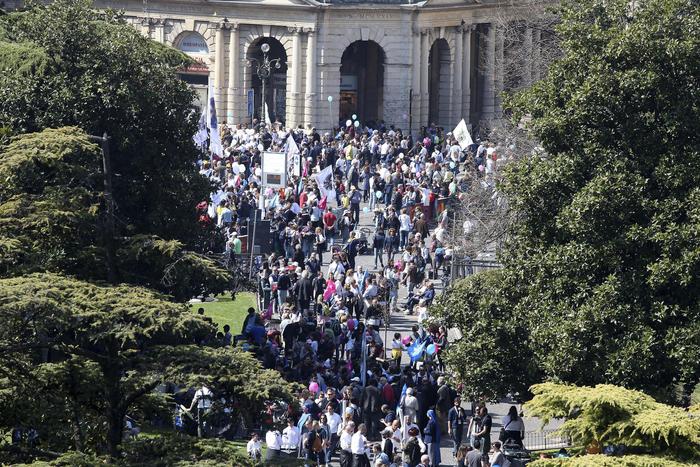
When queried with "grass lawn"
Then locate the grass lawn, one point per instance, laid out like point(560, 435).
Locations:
point(227, 311)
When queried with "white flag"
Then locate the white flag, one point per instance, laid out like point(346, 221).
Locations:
point(461, 134)
point(213, 124)
point(324, 180)
point(200, 138)
point(293, 162)
point(268, 122)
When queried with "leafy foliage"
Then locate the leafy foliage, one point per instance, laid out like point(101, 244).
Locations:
point(599, 460)
point(606, 414)
point(602, 265)
point(72, 66)
point(84, 356)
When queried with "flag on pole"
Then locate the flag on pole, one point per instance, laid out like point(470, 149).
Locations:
point(213, 123)
point(461, 134)
point(415, 350)
point(268, 122)
point(363, 364)
point(293, 161)
point(200, 138)
point(324, 180)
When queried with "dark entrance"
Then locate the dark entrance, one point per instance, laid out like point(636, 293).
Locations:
point(362, 82)
point(276, 84)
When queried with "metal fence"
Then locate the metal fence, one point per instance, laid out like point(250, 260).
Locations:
point(462, 268)
point(540, 440)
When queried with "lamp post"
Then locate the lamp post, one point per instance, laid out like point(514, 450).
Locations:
point(263, 68)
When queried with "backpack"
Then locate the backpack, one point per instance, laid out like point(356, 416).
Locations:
point(317, 443)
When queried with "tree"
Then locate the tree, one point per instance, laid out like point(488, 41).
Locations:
point(52, 219)
point(483, 357)
point(64, 64)
point(610, 415)
point(84, 356)
point(602, 261)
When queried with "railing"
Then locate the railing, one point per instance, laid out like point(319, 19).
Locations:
point(463, 267)
point(540, 440)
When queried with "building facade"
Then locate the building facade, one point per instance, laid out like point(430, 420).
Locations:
point(407, 64)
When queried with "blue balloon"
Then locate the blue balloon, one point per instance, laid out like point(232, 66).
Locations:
point(430, 350)
point(365, 209)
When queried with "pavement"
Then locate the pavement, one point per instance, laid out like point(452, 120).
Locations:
point(537, 434)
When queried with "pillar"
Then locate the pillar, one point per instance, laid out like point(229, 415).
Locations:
point(500, 71)
point(416, 115)
point(146, 27)
point(425, 92)
point(234, 94)
point(458, 75)
point(467, 73)
point(219, 73)
point(293, 113)
point(310, 94)
point(489, 78)
point(160, 31)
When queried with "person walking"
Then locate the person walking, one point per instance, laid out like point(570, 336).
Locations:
point(378, 245)
point(456, 421)
point(431, 437)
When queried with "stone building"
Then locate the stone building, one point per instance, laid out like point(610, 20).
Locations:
point(407, 64)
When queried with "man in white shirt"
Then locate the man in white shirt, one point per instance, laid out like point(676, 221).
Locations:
point(358, 447)
point(273, 439)
point(254, 448)
point(333, 420)
point(346, 444)
point(290, 437)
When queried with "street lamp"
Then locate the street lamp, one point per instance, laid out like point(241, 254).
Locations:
point(263, 68)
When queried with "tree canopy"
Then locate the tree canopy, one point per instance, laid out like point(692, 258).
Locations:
point(84, 356)
point(602, 266)
point(607, 415)
point(68, 65)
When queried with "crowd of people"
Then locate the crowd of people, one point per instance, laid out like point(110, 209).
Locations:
point(370, 398)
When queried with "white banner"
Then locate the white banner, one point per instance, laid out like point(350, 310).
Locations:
point(293, 161)
point(324, 180)
point(274, 170)
point(461, 134)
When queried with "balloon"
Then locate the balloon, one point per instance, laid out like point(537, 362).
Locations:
point(379, 195)
point(365, 209)
point(430, 350)
point(354, 116)
point(261, 147)
point(313, 387)
point(406, 340)
point(355, 321)
point(481, 168)
point(348, 122)
point(330, 98)
point(452, 165)
point(357, 124)
point(351, 324)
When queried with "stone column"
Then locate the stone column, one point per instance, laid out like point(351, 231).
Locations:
point(219, 69)
point(310, 94)
point(458, 75)
point(293, 114)
point(416, 116)
point(500, 71)
point(146, 27)
point(467, 73)
point(489, 78)
point(234, 88)
point(160, 30)
point(536, 59)
point(425, 91)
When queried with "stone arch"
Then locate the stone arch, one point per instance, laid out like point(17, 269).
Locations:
point(439, 82)
point(362, 81)
point(277, 85)
point(188, 42)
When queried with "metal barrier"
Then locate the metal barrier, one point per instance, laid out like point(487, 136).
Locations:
point(540, 440)
point(461, 268)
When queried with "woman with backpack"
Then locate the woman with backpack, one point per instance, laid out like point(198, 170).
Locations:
point(313, 446)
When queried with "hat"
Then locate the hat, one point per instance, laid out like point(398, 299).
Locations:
point(355, 379)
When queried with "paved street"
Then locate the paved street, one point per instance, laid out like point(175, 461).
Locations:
point(400, 322)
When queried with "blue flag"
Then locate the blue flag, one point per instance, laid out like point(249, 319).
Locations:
point(415, 350)
point(200, 138)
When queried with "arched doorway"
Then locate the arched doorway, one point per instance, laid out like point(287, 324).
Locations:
point(362, 82)
point(276, 84)
point(197, 74)
point(439, 83)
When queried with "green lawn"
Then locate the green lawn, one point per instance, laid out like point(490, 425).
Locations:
point(227, 311)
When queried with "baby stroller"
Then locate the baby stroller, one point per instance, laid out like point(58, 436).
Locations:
point(516, 454)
